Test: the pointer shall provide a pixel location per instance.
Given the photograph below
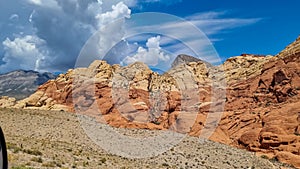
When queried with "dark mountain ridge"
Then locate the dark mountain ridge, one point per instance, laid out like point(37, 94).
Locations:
point(22, 83)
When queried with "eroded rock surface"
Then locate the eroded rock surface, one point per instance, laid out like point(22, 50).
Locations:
point(258, 97)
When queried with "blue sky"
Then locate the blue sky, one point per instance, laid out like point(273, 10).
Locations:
point(279, 27)
point(49, 35)
point(280, 23)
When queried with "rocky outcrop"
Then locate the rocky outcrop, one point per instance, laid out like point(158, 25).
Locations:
point(261, 112)
point(290, 50)
point(243, 67)
point(52, 95)
point(21, 84)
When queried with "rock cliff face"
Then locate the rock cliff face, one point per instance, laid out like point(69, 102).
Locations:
point(259, 97)
point(262, 112)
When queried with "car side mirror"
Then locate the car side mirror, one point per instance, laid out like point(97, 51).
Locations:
point(3, 152)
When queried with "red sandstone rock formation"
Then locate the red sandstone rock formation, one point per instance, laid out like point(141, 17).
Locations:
point(261, 96)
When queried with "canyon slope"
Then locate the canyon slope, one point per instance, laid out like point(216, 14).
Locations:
point(254, 99)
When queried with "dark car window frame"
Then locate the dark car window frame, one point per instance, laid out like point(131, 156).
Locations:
point(3, 150)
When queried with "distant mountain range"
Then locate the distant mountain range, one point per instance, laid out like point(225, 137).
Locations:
point(21, 83)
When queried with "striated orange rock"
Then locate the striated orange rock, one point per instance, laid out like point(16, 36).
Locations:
point(261, 113)
point(264, 110)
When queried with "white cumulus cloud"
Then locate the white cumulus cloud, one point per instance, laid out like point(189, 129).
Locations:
point(53, 33)
point(58, 29)
point(110, 32)
point(118, 11)
point(150, 55)
point(23, 53)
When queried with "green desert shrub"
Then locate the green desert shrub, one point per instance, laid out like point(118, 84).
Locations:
point(264, 157)
point(37, 159)
point(33, 152)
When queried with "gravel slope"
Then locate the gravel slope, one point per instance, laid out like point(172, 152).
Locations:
point(47, 139)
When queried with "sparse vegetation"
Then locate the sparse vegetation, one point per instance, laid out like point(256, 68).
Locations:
point(156, 122)
point(37, 159)
point(264, 157)
point(165, 165)
point(103, 160)
point(274, 159)
point(61, 151)
point(33, 152)
point(21, 167)
point(15, 149)
point(85, 164)
point(50, 164)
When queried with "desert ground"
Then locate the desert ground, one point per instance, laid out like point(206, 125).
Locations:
point(55, 139)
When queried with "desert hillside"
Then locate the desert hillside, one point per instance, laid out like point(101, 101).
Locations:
point(253, 100)
point(52, 139)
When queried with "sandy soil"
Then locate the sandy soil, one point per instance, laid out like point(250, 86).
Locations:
point(48, 139)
